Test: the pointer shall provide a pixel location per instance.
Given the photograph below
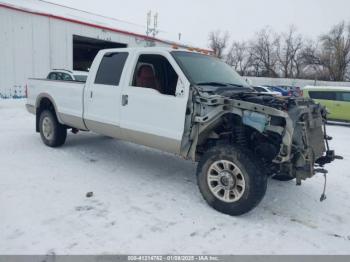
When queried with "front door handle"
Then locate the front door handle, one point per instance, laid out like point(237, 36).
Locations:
point(125, 99)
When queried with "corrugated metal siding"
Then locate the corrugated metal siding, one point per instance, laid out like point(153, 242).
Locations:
point(7, 74)
point(41, 46)
point(59, 44)
point(22, 51)
point(31, 45)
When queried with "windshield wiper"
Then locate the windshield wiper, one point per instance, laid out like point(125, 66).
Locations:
point(220, 84)
point(243, 87)
point(235, 85)
point(225, 86)
point(211, 84)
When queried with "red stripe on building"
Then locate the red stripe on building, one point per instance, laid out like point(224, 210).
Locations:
point(92, 25)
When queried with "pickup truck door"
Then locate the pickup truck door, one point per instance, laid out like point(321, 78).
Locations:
point(151, 117)
point(102, 95)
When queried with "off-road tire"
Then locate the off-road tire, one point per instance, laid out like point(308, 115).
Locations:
point(255, 179)
point(58, 133)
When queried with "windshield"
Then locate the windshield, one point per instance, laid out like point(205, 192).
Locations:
point(80, 78)
point(204, 69)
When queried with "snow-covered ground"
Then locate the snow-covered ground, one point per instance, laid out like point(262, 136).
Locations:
point(145, 201)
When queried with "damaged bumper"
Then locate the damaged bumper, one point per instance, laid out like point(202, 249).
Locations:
point(305, 149)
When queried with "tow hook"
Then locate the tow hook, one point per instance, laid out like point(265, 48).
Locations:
point(75, 131)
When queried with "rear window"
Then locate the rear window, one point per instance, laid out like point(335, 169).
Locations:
point(259, 89)
point(80, 78)
point(60, 76)
point(111, 68)
point(322, 95)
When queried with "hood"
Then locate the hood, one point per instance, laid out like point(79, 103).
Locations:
point(224, 90)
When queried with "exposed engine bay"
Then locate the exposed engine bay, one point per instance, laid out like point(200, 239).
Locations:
point(286, 134)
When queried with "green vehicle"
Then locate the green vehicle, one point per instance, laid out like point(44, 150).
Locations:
point(335, 99)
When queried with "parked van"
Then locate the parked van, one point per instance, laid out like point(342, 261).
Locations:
point(336, 99)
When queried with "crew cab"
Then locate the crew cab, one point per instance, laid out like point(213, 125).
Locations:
point(193, 105)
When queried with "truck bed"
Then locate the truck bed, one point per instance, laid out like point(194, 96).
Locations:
point(66, 95)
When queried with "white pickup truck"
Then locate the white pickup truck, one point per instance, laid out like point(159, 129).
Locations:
point(195, 106)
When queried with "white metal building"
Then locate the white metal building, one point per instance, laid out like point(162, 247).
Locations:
point(36, 36)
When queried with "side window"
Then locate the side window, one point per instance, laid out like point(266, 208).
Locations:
point(323, 95)
point(52, 76)
point(66, 77)
point(155, 71)
point(110, 69)
point(344, 96)
point(59, 76)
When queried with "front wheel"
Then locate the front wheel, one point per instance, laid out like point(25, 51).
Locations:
point(230, 180)
point(52, 133)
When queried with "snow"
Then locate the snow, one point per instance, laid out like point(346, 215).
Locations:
point(147, 202)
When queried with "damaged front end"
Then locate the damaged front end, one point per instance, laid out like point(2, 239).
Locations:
point(308, 150)
point(287, 134)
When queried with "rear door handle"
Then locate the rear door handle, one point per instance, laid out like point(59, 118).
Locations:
point(125, 100)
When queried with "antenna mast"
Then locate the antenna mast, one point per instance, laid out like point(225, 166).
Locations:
point(153, 31)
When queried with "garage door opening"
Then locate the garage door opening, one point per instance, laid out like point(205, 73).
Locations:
point(85, 50)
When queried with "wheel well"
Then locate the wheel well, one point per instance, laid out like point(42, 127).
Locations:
point(220, 129)
point(229, 129)
point(44, 104)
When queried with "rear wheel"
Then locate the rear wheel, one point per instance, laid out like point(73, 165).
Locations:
point(231, 180)
point(52, 133)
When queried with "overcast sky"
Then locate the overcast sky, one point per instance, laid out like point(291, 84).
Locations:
point(241, 18)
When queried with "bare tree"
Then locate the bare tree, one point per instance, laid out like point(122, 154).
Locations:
point(240, 57)
point(218, 42)
point(309, 53)
point(288, 52)
point(264, 51)
point(335, 53)
point(308, 64)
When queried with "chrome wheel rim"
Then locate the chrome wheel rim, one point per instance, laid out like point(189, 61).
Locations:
point(47, 127)
point(226, 181)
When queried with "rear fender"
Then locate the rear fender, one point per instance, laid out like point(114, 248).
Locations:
point(49, 104)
